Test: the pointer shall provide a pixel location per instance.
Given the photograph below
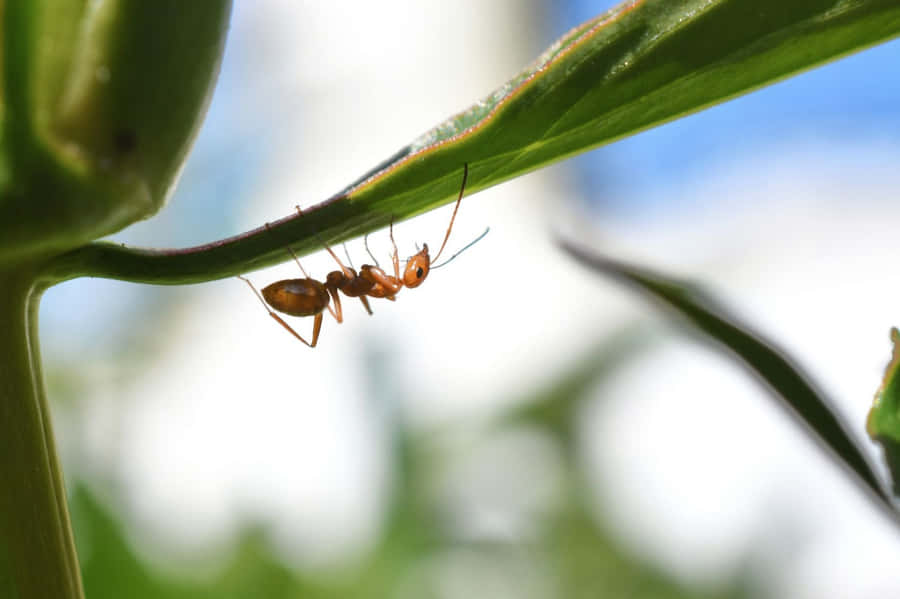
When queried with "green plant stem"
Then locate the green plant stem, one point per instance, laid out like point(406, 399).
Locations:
point(37, 551)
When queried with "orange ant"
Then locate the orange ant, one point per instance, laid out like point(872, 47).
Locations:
point(309, 297)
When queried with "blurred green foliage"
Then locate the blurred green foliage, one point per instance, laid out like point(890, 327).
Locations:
point(573, 554)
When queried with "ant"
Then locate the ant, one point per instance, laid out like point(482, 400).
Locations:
point(309, 297)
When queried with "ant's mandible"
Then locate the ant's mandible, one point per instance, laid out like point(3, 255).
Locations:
point(309, 297)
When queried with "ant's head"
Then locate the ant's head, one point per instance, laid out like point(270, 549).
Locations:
point(417, 268)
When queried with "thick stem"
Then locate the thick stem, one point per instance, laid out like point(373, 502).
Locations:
point(37, 552)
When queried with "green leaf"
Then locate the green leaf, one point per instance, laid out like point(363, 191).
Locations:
point(760, 356)
point(641, 64)
point(883, 423)
point(101, 102)
point(37, 554)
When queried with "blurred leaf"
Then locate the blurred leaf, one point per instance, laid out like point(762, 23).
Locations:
point(109, 566)
point(785, 380)
point(112, 569)
point(641, 64)
point(584, 555)
point(551, 408)
point(883, 423)
point(589, 560)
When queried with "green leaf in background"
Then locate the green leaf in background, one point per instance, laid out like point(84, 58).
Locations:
point(641, 64)
point(883, 423)
point(760, 356)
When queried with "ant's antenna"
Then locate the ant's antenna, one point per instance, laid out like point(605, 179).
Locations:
point(470, 244)
point(462, 189)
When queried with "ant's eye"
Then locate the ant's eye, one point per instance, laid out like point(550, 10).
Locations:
point(419, 272)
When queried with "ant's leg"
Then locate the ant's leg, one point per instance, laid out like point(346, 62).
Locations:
point(394, 258)
point(347, 255)
point(347, 272)
point(368, 251)
point(316, 325)
point(390, 286)
point(365, 302)
point(297, 260)
point(338, 313)
point(293, 255)
point(333, 313)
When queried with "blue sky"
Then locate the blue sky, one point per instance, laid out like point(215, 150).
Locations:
point(848, 100)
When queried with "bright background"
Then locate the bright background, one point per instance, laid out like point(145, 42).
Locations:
point(190, 413)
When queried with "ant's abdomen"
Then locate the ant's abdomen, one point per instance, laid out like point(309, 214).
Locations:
point(297, 297)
